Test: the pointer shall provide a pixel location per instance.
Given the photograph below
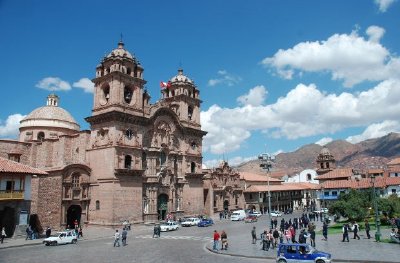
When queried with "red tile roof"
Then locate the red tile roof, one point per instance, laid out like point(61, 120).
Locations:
point(281, 187)
point(8, 166)
point(336, 174)
point(257, 177)
point(380, 182)
point(394, 161)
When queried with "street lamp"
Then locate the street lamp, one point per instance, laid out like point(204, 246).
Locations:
point(377, 224)
point(266, 164)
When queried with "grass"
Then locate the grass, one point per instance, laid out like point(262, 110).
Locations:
point(336, 228)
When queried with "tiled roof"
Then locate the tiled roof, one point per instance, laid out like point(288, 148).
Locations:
point(336, 173)
point(380, 182)
point(376, 171)
point(392, 181)
point(394, 161)
point(257, 177)
point(8, 166)
point(281, 187)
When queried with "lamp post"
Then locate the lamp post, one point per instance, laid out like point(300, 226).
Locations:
point(377, 224)
point(266, 164)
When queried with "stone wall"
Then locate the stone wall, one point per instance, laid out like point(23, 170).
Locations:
point(193, 197)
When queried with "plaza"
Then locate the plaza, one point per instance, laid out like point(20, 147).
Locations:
point(191, 244)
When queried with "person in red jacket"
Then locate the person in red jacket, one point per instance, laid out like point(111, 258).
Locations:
point(216, 240)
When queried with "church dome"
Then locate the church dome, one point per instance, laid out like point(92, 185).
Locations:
point(50, 116)
point(181, 78)
point(325, 151)
point(120, 52)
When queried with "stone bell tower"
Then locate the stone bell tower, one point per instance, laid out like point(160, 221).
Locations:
point(119, 84)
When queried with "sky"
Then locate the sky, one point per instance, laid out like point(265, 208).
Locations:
point(273, 75)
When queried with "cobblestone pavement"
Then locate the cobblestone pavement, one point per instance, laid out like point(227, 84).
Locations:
point(188, 242)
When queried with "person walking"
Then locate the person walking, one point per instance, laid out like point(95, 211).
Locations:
point(355, 230)
point(116, 238)
point(367, 228)
point(48, 232)
point(216, 240)
point(224, 240)
point(325, 231)
point(80, 233)
point(345, 231)
point(124, 235)
point(312, 236)
point(254, 235)
point(275, 234)
point(3, 234)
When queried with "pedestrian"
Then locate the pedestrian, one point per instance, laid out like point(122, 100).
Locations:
point(302, 237)
point(224, 240)
point(275, 234)
point(48, 232)
point(216, 240)
point(288, 236)
point(80, 233)
point(254, 235)
point(3, 234)
point(124, 234)
point(355, 230)
point(116, 238)
point(345, 231)
point(367, 228)
point(156, 232)
point(325, 231)
point(312, 237)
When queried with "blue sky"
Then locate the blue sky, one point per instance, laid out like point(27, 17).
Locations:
point(273, 75)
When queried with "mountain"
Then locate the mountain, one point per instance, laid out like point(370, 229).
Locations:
point(372, 153)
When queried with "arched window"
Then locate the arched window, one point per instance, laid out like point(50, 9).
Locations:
point(128, 94)
point(40, 136)
point(129, 134)
point(128, 70)
point(192, 167)
point(163, 158)
point(327, 165)
point(97, 205)
point(308, 177)
point(190, 112)
point(106, 93)
point(193, 145)
point(128, 161)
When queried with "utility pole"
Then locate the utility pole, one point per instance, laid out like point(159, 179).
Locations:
point(266, 164)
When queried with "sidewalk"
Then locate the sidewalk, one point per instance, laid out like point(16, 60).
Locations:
point(363, 250)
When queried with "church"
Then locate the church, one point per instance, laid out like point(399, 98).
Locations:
point(138, 162)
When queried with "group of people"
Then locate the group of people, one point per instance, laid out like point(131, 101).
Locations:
point(122, 236)
point(224, 240)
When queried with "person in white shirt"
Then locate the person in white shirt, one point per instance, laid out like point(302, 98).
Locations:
point(116, 238)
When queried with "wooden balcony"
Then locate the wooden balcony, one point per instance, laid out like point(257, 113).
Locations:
point(11, 195)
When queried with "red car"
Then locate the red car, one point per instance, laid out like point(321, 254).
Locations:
point(250, 219)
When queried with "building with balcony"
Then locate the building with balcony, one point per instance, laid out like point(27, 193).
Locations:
point(15, 193)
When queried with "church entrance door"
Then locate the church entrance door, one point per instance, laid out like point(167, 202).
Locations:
point(226, 205)
point(162, 206)
point(74, 212)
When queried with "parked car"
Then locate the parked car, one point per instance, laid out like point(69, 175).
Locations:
point(322, 210)
point(169, 226)
point(191, 221)
point(250, 219)
point(276, 213)
point(65, 237)
point(255, 213)
point(205, 222)
point(291, 252)
point(238, 215)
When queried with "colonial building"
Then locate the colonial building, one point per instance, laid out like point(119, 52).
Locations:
point(138, 162)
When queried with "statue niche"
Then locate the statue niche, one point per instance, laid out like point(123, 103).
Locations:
point(162, 135)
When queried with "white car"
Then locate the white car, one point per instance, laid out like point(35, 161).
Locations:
point(255, 213)
point(191, 221)
point(169, 226)
point(65, 237)
point(276, 213)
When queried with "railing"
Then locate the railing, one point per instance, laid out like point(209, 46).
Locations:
point(7, 195)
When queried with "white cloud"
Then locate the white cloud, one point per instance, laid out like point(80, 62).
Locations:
point(255, 97)
point(84, 83)
point(53, 84)
point(11, 126)
point(384, 4)
point(224, 78)
point(348, 57)
point(304, 111)
point(376, 130)
point(324, 141)
point(231, 161)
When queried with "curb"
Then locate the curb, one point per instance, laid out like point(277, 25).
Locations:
point(268, 257)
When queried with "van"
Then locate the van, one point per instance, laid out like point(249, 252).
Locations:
point(238, 215)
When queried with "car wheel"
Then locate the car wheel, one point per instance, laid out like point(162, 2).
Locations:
point(320, 261)
point(73, 241)
point(55, 243)
point(281, 260)
point(47, 244)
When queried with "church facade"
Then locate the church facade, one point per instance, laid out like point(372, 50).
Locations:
point(138, 162)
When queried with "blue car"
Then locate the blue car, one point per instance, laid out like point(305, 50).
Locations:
point(299, 253)
point(205, 222)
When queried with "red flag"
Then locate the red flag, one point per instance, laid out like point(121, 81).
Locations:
point(164, 85)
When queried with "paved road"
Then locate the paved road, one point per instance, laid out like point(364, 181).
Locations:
point(185, 245)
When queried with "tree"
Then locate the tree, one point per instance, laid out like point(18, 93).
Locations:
point(354, 205)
